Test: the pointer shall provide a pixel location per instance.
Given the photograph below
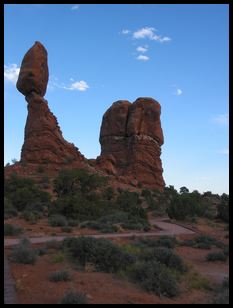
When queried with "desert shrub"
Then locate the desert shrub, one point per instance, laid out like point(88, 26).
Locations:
point(165, 256)
point(169, 258)
point(12, 230)
point(23, 253)
point(97, 225)
point(72, 297)
point(57, 221)
point(154, 277)
point(9, 209)
point(203, 242)
point(131, 203)
point(188, 205)
point(61, 275)
point(66, 229)
point(163, 241)
point(146, 193)
point(58, 258)
point(108, 193)
point(194, 280)
point(105, 255)
point(69, 182)
point(79, 207)
point(41, 251)
point(223, 209)
point(31, 216)
point(73, 222)
point(216, 256)
point(23, 193)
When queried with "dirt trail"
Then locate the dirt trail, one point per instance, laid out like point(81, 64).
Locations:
point(166, 229)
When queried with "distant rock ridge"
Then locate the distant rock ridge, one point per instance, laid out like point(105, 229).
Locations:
point(130, 136)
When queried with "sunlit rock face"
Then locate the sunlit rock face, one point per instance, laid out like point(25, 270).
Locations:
point(131, 137)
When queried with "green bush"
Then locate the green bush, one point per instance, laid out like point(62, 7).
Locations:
point(41, 251)
point(9, 210)
point(169, 258)
point(61, 275)
point(23, 253)
point(222, 296)
point(23, 193)
point(69, 182)
point(73, 222)
point(57, 221)
point(31, 216)
point(12, 230)
point(163, 241)
point(216, 256)
point(203, 242)
point(154, 277)
point(223, 210)
point(105, 255)
point(72, 297)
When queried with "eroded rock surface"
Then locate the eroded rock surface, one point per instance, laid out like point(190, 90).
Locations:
point(34, 73)
point(130, 138)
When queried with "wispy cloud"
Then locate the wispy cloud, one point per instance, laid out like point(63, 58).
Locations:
point(142, 58)
point(149, 33)
point(178, 92)
point(224, 151)
point(11, 73)
point(75, 7)
point(221, 119)
point(75, 85)
point(125, 31)
point(142, 49)
point(78, 85)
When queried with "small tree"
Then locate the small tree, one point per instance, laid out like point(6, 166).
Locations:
point(184, 190)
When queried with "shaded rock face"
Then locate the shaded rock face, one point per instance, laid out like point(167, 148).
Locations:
point(130, 138)
point(43, 140)
point(34, 73)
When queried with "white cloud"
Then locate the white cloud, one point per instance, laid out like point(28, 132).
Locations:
point(78, 85)
point(224, 151)
point(142, 49)
point(164, 39)
point(11, 73)
point(148, 32)
point(142, 58)
point(222, 119)
point(75, 7)
point(75, 85)
point(125, 31)
point(178, 92)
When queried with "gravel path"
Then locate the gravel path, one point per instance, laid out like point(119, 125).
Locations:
point(166, 229)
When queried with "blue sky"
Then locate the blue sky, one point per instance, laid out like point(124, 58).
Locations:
point(97, 54)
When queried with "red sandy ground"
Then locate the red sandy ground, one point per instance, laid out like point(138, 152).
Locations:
point(33, 286)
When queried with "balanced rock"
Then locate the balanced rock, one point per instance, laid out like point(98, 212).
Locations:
point(130, 138)
point(33, 75)
point(43, 140)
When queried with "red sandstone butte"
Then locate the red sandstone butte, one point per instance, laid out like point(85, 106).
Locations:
point(131, 137)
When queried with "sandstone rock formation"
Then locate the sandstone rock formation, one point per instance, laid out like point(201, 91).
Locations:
point(130, 138)
point(43, 140)
point(34, 73)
